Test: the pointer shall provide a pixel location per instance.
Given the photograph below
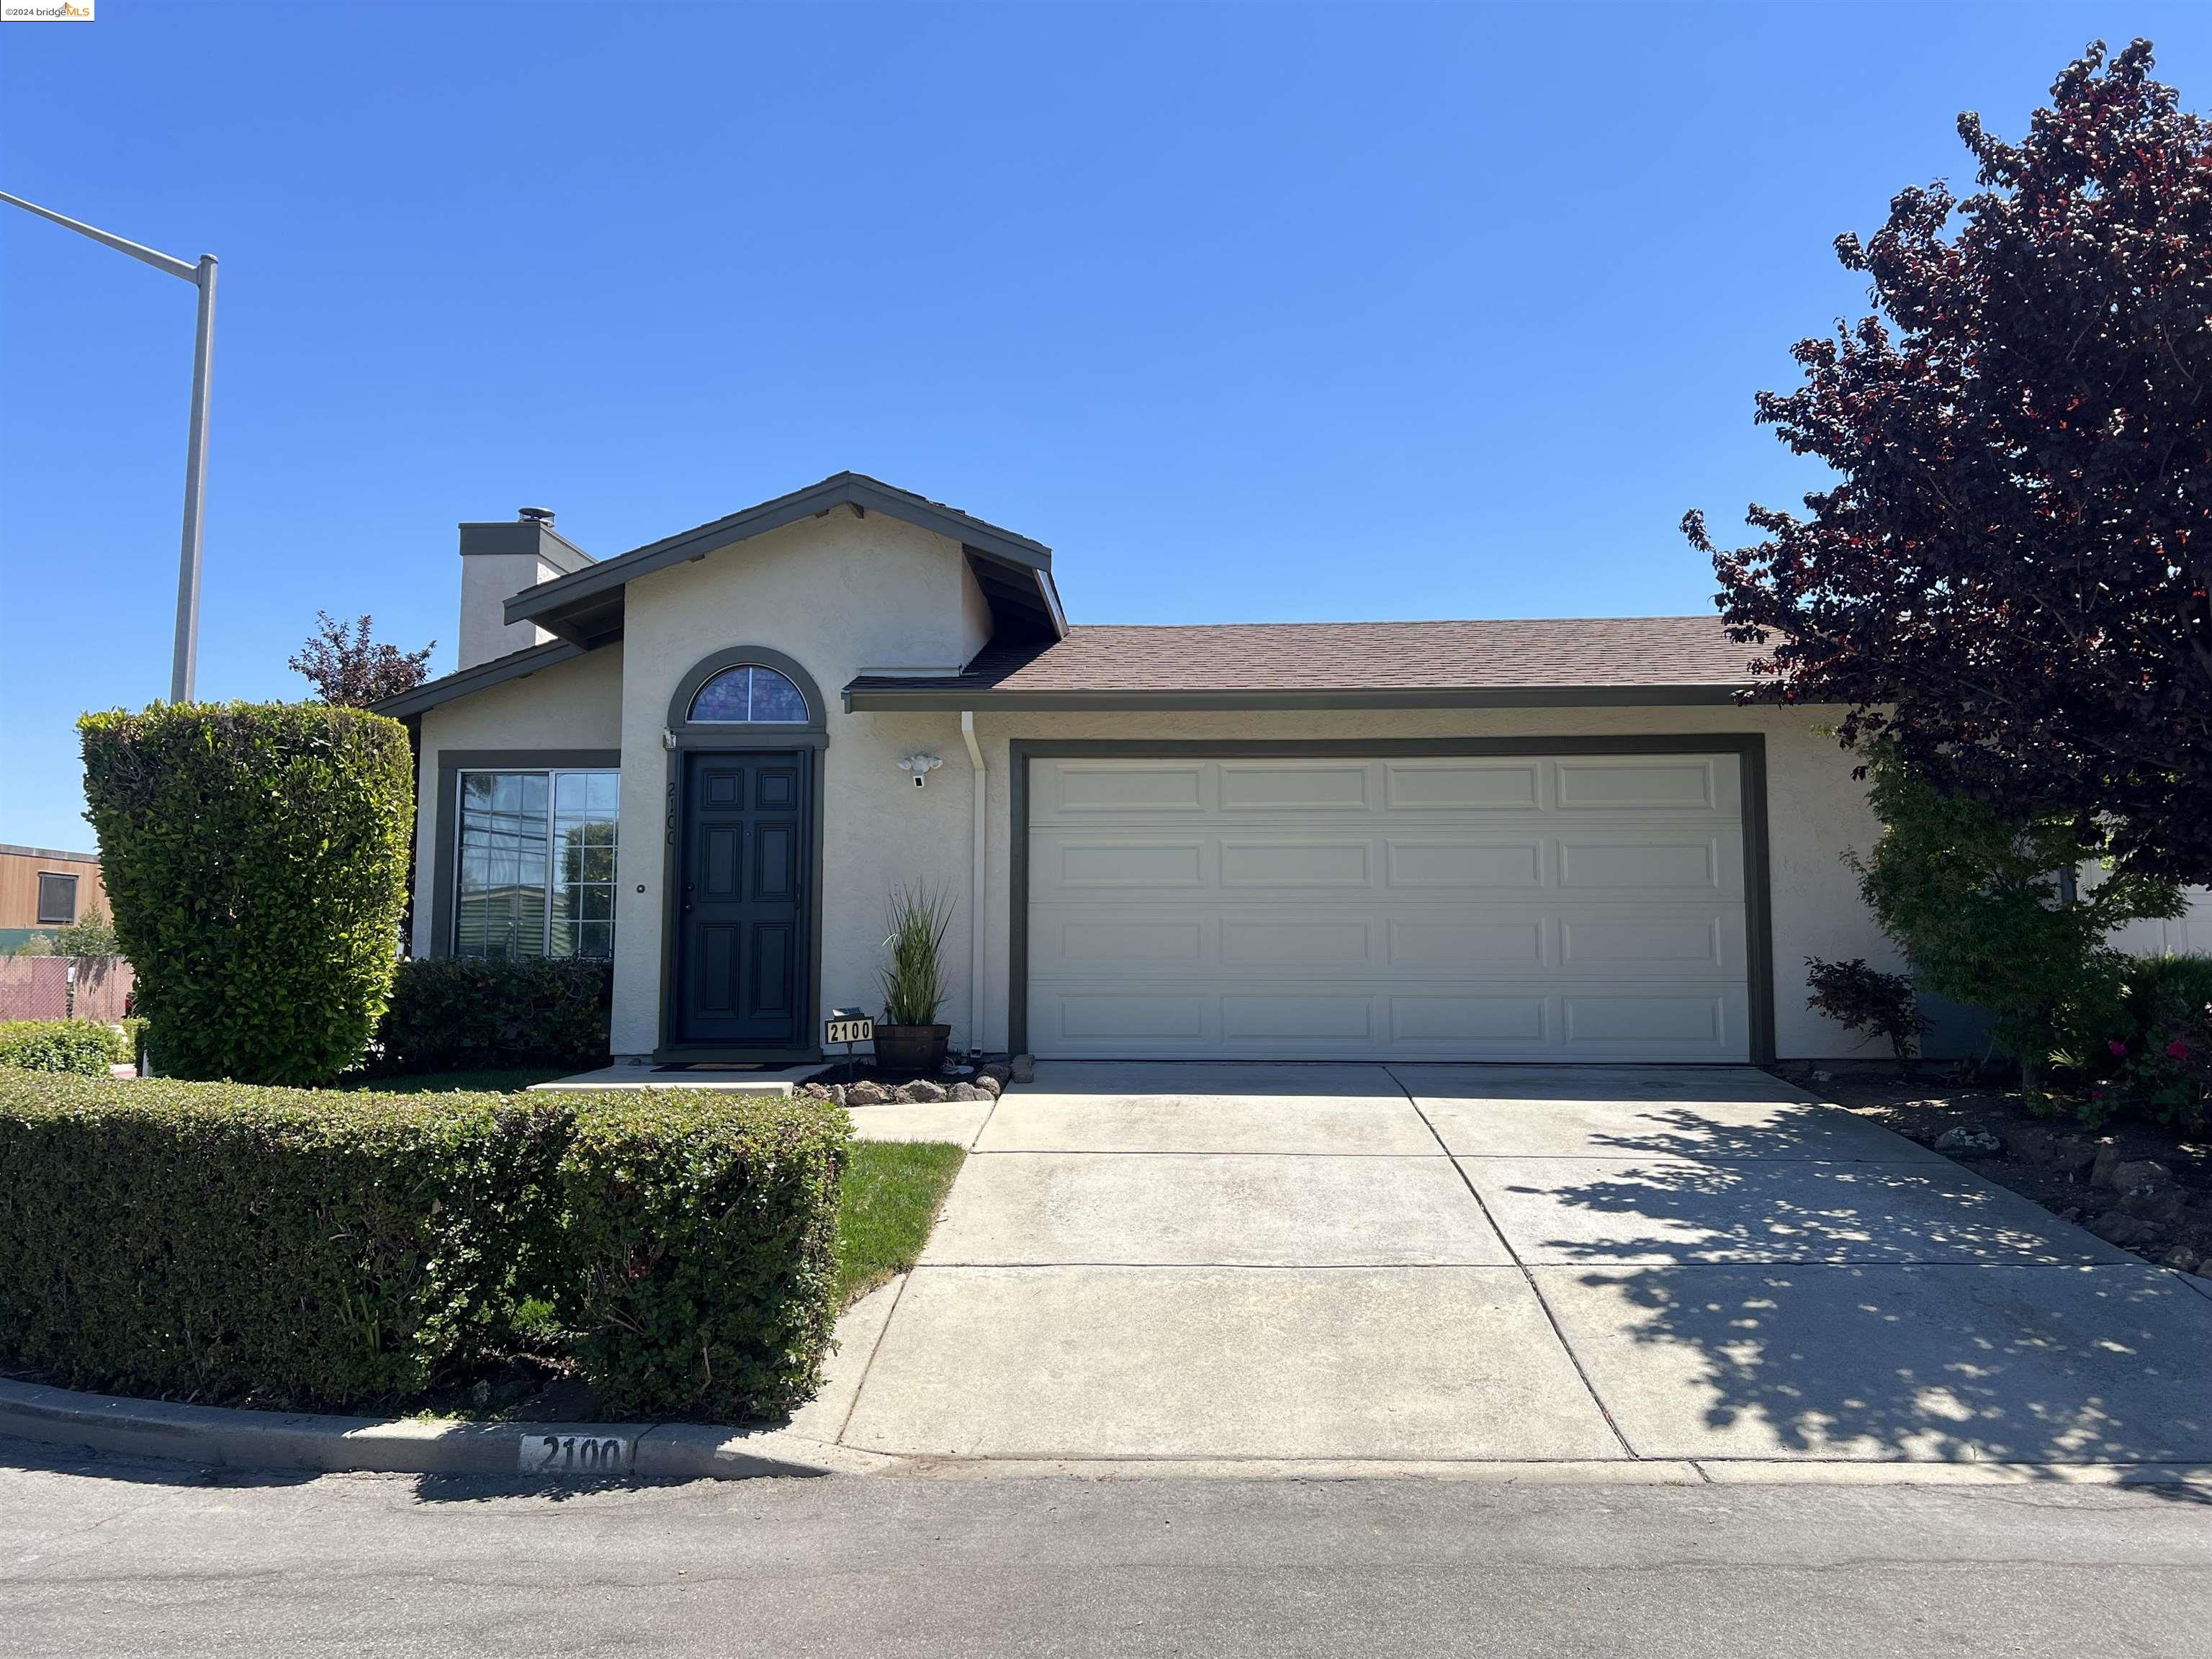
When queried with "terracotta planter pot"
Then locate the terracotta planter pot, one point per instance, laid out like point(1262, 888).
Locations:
point(912, 1048)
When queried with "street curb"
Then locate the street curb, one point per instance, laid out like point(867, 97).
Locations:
point(231, 1439)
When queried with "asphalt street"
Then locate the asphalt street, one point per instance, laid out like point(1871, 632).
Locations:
point(101, 1555)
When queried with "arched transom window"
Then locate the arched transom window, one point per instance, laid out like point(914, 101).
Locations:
point(748, 695)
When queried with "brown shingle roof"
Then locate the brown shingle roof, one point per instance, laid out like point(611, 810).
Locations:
point(1626, 652)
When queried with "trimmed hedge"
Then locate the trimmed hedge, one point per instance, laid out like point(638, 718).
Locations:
point(310, 1248)
point(697, 1256)
point(455, 1013)
point(256, 856)
point(285, 1246)
point(57, 1045)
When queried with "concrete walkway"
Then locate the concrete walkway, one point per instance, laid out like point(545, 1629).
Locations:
point(1360, 1265)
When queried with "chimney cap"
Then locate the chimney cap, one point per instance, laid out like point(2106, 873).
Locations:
point(535, 515)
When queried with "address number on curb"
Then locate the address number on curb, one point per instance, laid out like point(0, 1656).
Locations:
point(576, 1453)
point(849, 1030)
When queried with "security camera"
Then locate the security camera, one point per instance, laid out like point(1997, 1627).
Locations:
point(920, 767)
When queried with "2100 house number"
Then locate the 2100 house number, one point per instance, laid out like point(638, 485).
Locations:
point(575, 1454)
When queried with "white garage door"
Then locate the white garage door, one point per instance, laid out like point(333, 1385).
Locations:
point(1583, 907)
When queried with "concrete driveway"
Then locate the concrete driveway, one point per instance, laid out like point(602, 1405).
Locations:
point(1436, 1264)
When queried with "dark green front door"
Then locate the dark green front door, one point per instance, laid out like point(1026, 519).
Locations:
point(743, 910)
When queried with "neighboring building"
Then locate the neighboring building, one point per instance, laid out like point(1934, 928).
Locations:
point(712, 757)
point(42, 889)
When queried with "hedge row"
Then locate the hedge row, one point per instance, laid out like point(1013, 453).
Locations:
point(454, 1013)
point(303, 1248)
point(59, 1045)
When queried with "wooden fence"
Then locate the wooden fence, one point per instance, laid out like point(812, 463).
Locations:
point(38, 987)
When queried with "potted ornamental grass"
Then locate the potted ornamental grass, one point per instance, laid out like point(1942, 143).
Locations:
point(908, 1036)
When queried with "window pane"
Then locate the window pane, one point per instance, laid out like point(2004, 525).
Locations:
point(749, 695)
point(525, 887)
point(775, 698)
point(723, 699)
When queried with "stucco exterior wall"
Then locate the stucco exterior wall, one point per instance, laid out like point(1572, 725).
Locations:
point(838, 594)
point(576, 704)
point(1815, 811)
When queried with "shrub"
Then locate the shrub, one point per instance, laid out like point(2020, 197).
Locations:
point(57, 1045)
point(256, 857)
point(2156, 1055)
point(455, 1013)
point(1861, 998)
point(696, 1250)
point(285, 1246)
point(1987, 913)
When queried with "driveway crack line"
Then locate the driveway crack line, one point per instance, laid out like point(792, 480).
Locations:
point(1528, 1277)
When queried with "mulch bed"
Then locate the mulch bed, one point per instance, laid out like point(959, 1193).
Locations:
point(2144, 1186)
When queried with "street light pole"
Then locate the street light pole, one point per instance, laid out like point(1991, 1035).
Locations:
point(185, 664)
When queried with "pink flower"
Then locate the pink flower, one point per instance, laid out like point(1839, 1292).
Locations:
point(2177, 1049)
point(2117, 1047)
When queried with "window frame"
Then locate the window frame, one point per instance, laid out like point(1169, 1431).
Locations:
point(75, 887)
point(552, 774)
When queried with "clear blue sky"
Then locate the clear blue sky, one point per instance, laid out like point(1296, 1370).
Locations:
point(1250, 312)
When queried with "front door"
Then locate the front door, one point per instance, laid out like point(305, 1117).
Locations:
point(743, 911)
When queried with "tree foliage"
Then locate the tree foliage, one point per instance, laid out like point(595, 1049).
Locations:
point(1988, 910)
point(2009, 581)
point(348, 669)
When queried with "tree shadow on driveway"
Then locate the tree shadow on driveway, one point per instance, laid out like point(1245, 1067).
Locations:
point(1850, 1310)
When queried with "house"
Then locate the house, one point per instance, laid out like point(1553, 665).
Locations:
point(42, 888)
point(713, 756)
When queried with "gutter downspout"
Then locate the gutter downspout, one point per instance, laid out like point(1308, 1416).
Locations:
point(978, 907)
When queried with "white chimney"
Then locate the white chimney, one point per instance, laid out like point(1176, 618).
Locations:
point(498, 561)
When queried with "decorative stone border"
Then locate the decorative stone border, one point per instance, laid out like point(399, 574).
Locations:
point(985, 1082)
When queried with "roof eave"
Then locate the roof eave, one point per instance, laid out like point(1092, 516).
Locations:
point(554, 604)
point(859, 697)
point(482, 677)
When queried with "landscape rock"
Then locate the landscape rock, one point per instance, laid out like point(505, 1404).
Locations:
point(2036, 1144)
point(2107, 1159)
point(996, 1070)
point(2118, 1227)
point(2183, 1258)
point(2156, 1203)
point(1963, 1142)
point(833, 1091)
point(924, 1091)
point(867, 1094)
point(990, 1087)
point(2139, 1174)
point(1022, 1068)
point(967, 1091)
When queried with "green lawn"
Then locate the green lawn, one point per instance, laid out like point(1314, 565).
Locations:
point(891, 1193)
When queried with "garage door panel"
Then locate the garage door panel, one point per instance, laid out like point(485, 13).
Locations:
point(1298, 864)
point(1464, 864)
point(1088, 788)
point(1334, 943)
point(1606, 784)
point(1648, 863)
point(1516, 908)
point(1279, 786)
point(1462, 786)
point(1126, 864)
point(1479, 939)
